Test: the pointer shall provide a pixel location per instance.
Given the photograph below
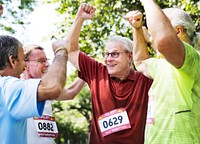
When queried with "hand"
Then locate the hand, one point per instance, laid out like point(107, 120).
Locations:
point(59, 45)
point(134, 18)
point(1, 9)
point(86, 11)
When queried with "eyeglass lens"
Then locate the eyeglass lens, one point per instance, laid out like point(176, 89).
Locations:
point(113, 54)
point(41, 60)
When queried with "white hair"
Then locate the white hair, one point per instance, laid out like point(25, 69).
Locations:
point(126, 42)
point(182, 18)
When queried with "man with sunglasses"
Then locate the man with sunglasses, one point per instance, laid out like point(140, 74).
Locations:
point(119, 94)
point(43, 130)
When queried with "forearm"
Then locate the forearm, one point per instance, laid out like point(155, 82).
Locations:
point(140, 51)
point(85, 11)
point(72, 90)
point(73, 35)
point(164, 35)
point(72, 38)
point(158, 24)
point(53, 81)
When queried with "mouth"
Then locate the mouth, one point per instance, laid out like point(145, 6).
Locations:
point(44, 71)
point(111, 65)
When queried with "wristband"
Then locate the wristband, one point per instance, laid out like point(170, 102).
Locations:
point(61, 48)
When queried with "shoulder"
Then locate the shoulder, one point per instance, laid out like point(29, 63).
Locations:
point(135, 75)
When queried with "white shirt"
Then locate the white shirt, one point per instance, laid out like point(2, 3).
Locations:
point(32, 134)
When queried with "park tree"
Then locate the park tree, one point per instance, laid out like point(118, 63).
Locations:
point(109, 19)
point(73, 117)
point(17, 11)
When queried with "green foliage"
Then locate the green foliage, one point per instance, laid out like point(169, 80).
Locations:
point(16, 14)
point(190, 6)
point(73, 117)
point(109, 20)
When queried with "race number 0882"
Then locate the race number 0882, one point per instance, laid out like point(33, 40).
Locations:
point(45, 126)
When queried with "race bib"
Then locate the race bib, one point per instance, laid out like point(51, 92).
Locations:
point(151, 110)
point(113, 121)
point(46, 126)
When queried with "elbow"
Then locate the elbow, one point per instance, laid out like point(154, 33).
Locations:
point(50, 92)
point(162, 42)
point(55, 92)
point(71, 98)
point(160, 45)
point(72, 45)
point(71, 94)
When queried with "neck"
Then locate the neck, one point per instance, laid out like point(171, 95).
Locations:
point(6, 72)
point(124, 76)
point(186, 39)
point(25, 75)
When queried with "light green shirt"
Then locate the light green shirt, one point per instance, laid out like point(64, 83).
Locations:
point(176, 101)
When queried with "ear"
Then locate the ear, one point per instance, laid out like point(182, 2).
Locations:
point(12, 61)
point(26, 67)
point(179, 30)
point(131, 56)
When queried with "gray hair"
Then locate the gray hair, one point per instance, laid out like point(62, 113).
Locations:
point(9, 46)
point(127, 43)
point(182, 18)
point(29, 49)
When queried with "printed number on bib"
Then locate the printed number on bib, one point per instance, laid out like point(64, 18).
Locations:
point(46, 126)
point(114, 121)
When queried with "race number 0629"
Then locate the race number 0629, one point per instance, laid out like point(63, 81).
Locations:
point(113, 121)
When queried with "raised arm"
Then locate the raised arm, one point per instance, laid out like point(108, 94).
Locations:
point(163, 34)
point(72, 90)
point(140, 51)
point(85, 11)
point(53, 81)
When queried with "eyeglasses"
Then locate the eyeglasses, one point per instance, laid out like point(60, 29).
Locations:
point(42, 60)
point(113, 54)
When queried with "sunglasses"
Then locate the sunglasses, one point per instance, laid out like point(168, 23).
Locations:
point(113, 54)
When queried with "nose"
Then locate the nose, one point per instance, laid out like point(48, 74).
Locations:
point(46, 63)
point(109, 57)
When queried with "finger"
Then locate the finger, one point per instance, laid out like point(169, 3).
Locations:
point(88, 8)
point(92, 12)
